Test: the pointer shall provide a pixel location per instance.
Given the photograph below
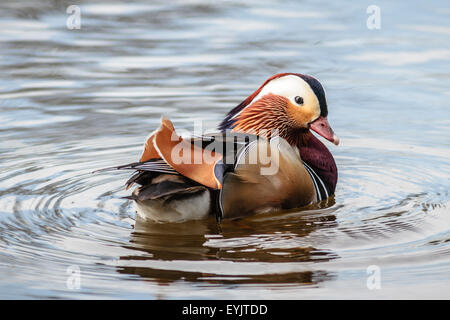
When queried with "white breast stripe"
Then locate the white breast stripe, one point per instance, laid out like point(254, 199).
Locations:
point(315, 176)
point(244, 152)
point(220, 203)
point(319, 194)
point(323, 184)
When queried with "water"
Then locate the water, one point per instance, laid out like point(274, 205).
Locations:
point(75, 100)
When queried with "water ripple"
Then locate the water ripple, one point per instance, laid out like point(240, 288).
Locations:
point(73, 101)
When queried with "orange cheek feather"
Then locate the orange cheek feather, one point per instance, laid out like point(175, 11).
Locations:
point(262, 114)
point(300, 115)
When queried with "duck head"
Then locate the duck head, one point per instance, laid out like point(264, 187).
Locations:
point(290, 103)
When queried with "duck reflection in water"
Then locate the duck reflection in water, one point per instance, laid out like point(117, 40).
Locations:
point(201, 251)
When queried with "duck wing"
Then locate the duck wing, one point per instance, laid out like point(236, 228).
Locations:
point(268, 175)
point(166, 152)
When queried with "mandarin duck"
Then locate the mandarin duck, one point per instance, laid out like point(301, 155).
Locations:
point(264, 158)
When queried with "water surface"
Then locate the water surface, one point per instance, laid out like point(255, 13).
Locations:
point(73, 101)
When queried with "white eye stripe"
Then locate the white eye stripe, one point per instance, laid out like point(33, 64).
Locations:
point(289, 86)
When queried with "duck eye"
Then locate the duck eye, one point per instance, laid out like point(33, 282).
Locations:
point(299, 100)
